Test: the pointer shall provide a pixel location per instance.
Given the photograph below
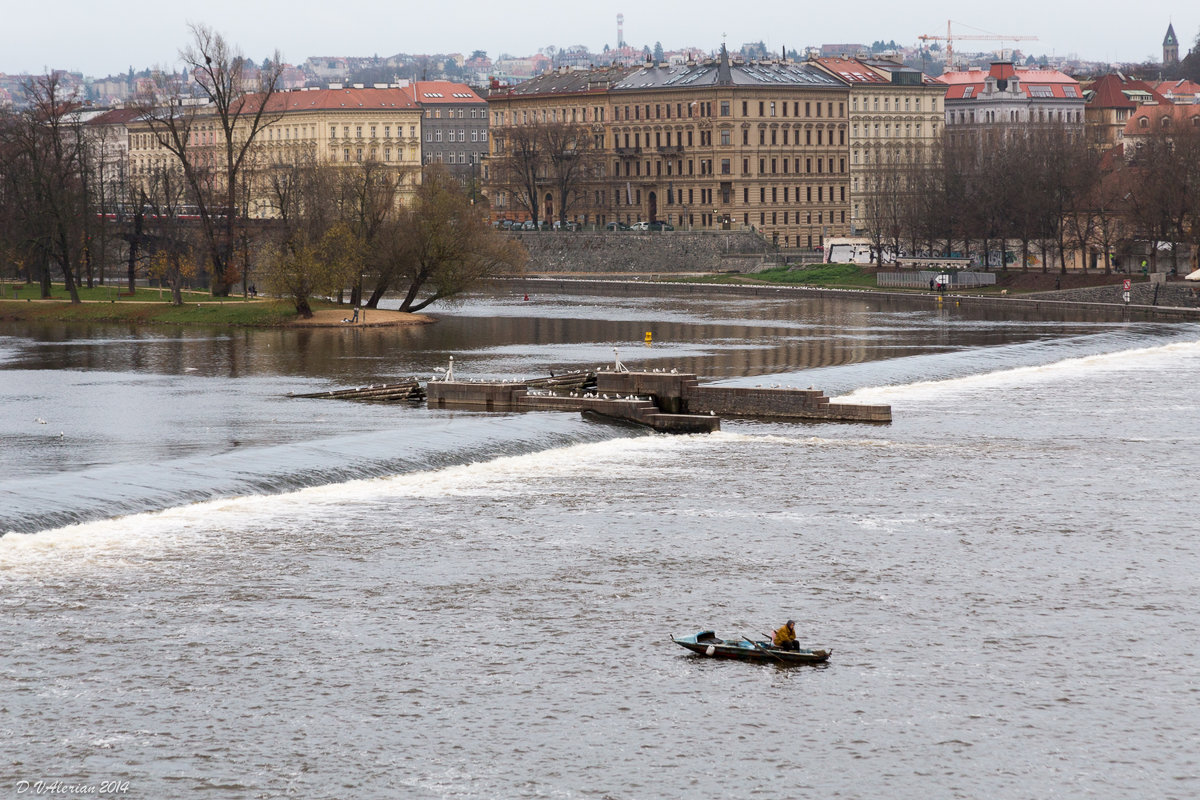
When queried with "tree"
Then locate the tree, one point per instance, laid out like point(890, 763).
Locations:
point(47, 196)
point(659, 56)
point(520, 164)
point(216, 170)
point(440, 247)
point(313, 252)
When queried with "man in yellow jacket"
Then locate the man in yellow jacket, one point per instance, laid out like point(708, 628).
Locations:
point(785, 637)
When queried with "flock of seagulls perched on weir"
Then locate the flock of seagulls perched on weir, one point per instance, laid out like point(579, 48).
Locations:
point(587, 395)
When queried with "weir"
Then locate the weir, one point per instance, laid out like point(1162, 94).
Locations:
point(666, 401)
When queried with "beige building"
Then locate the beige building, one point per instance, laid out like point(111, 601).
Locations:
point(711, 145)
point(895, 120)
point(342, 126)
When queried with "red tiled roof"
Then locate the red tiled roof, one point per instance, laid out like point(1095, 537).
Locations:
point(1180, 116)
point(1180, 87)
point(431, 92)
point(1108, 91)
point(851, 70)
point(334, 100)
point(117, 116)
point(970, 84)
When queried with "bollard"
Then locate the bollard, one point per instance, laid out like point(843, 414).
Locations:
point(648, 337)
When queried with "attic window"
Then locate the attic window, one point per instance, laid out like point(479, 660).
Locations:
point(1040, 91)
point(1070, 91)
point(967, 92)
point(1143, 123)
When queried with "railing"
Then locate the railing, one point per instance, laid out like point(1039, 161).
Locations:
point(921, 279)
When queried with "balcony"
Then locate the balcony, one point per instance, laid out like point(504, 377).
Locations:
point(671, 150)
point(628, 152)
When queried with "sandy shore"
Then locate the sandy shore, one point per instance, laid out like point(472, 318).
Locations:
point(367, 318)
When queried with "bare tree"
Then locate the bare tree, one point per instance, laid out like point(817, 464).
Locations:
point(519, 165)
point(441, 247)
point(236, 97)
point(49, 201)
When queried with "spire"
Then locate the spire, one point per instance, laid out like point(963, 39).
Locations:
point(1170, 38)
point(724, 75)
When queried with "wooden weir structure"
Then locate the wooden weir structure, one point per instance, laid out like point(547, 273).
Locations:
point(664, 400)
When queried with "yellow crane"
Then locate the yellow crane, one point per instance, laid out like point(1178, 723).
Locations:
point(950, 37)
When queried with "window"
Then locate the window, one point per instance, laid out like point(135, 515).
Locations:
point(724, 108)
point(333, 131)
point(725, 137)
point(724, 166)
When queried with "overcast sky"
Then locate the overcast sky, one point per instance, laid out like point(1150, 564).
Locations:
point(103, 38)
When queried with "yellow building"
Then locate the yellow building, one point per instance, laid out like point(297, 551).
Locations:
point(713, 145)
point(342, 126)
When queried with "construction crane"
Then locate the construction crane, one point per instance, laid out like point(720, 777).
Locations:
point(950, 37)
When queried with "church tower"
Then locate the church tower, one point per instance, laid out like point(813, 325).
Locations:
point(1170, 47)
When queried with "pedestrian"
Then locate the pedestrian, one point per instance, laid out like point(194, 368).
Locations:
point(355, 317)
point(932, 284)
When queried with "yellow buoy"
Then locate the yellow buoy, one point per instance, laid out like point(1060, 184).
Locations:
point(648, 337)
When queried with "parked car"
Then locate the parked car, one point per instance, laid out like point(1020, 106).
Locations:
point(616, 226)
point(528, 225)
point(659, 225)
point(559, 225)
point(640, 226)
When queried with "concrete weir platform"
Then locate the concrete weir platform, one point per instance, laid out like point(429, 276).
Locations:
point(665, 401)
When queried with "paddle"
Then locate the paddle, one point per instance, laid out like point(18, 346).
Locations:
point(764, 649)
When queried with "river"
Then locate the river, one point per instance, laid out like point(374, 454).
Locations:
point(208, 587)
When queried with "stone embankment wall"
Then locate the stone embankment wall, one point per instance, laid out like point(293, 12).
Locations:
point(1033, 307)
point(1179, 294)
point(646, 252)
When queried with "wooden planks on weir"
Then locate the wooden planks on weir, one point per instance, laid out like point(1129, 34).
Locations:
point(383, 393)
point(663, 400)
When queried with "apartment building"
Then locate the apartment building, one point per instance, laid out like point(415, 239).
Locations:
point(340, 126)
point(710, 145)
point(1010, 98)
point(1109, 102)
point(895, 120)
point(454, 124)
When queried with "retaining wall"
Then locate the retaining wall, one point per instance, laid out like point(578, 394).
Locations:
point(632, 252)
point(1039, 306)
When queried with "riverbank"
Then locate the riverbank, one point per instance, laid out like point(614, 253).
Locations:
point(145, 307)
point(1034, 305)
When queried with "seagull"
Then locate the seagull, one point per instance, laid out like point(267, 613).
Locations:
point(40, 421)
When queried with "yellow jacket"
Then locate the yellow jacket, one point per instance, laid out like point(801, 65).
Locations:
point(784, 635)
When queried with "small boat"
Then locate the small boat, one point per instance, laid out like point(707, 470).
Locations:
point(706, 643)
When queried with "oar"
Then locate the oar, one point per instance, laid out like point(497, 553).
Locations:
point(765, 650)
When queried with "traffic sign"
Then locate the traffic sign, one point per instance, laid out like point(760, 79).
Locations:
point(1126, 285)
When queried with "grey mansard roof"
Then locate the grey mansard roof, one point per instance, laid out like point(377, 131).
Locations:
point(714, 73)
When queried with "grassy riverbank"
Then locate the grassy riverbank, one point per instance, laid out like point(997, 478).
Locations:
point(145, 306)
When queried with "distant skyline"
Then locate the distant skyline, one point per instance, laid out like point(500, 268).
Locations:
point(98, 39)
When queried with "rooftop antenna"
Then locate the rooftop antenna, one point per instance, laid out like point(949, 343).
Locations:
point(620, 30)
